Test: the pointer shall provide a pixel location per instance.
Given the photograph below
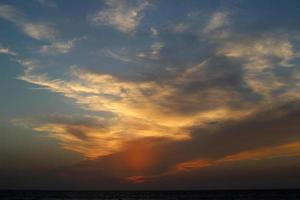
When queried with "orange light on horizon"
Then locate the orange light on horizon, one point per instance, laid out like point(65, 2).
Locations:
point(140, 156)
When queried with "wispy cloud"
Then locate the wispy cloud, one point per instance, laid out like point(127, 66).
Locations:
point(139, 109)
point(261, 56)
point(125, 16)
point(154, 31)
point(36, 30)
point(143, 109)
point(116, 56)
point(59, 47)
point(7, 51)
point(180, 27)
point(227, 85)
point(264, 153)
point(218, 20)
point(153, 53)
point(39, 31)
point(225, 99)
point(43, 31)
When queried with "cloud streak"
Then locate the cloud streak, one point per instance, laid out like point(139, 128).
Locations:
point(7, 51)
point(59, 47)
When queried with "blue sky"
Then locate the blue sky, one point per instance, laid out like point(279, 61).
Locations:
point(126, 94)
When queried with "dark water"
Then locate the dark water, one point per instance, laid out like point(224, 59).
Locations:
point(128, 195)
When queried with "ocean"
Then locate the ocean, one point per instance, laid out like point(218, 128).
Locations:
point(141, 195)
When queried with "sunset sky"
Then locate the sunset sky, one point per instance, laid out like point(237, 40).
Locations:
point(149, 94)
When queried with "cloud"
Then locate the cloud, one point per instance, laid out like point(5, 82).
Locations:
point(260, 52)
point(265, 133)
point(154, 53)
point(39, 31)
point(226, 84)
point(36, 30)
point(261, 57)
point(218, 20)
point(125, 16)
point(59, 47)
point(10, 13)
point(213, 91)
point(7, 51)
point(284, 150)
point(180, 27)
point(109, 53)
point(209, 102)
point(265, 137)
point(154, 31)
point(138, 109)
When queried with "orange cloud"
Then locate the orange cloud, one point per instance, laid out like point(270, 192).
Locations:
point(285, 150)
point(196, 96)
point(136, 179)
point(138, 110)
point(290, 149)
point(189, 165)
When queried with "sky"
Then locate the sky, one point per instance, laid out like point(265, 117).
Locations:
point(149, 94)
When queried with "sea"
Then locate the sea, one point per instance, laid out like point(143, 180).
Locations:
point(141, 195)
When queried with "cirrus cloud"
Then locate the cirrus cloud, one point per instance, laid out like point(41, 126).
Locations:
point(36, 30)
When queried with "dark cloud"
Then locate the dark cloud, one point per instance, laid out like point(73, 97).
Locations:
point(87, 121)
point(217, 73)
point(274, 126)
point(77, 133)
point(259, 174)
point(268, 128)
